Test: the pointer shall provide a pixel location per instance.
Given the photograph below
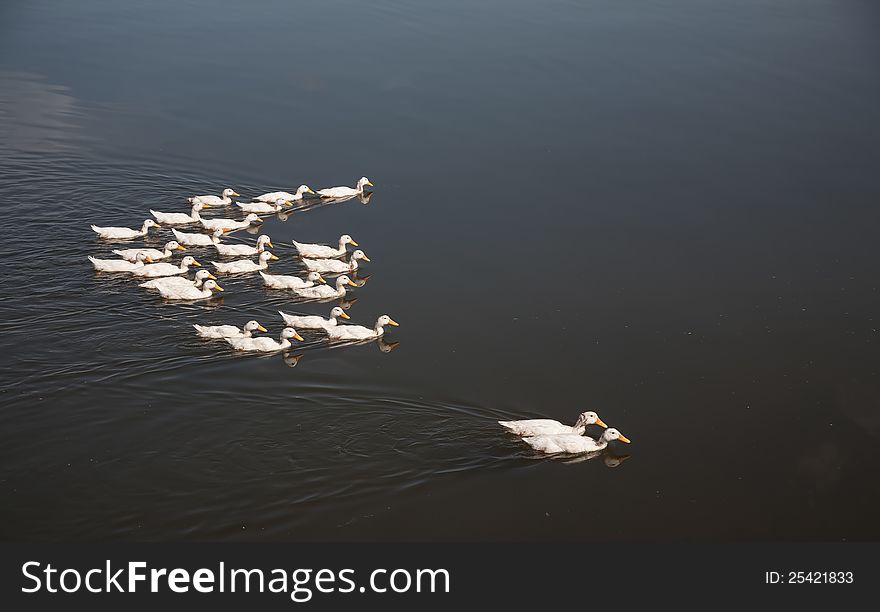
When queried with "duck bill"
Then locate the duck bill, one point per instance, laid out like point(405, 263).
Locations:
point(258, 220)
point(219, 288)
point(352, 283)
point(269, 244)
point(366, 258)
point(344, 316)
point(180, 248)
point(321, 279)
point(227, 229)
point(195, 263)
point(261, 328)
point(624, 439)
point(394, 323)
point(274, 257)
point(238, 195)
point(601, 423)
point(211, 276)
point(353, 243)
point(369, 183)
point(298, 337)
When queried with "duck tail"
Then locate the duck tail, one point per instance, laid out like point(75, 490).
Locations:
point(96, 229)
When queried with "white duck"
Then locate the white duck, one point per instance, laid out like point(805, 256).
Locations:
point(155, 254)
point(212, 200)
point(540, 427)
point(120, 265)
point(231, 224)
point(279, 281)
point(334, 265)
point(322, 251)
point(244, 249)
point(175, 218)
point(572, 444)
point(244, 265)
point(314, 321)
point(124, 233)
point(323, 292)
point(359, 332)
point(198, 239)
point(284, 195)
point(341, 192)
point(263, 207)
point(167, 269)
point(190, 292)
point(264, 344)
point(178, 281)
point(228, 331)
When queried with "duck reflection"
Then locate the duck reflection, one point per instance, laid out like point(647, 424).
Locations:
point(291, 360)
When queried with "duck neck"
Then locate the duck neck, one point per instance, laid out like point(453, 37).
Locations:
point(194, 213)
point(379, 329)
point(145, 228)
point(352, 264)
point(578, 429)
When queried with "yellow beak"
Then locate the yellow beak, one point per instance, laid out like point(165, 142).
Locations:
point(297, 336)
point(261, 328)
point(321, 278)
point(211, 276)
point(195, 263)
point(353, 243)
point(393, 322)
point(352, 283)
point(309, 190)
point(219, 288)
point(601, 423)
point(366, 258)
point(148, 259)
point(623, 438)
point(227, 229)
point(205, 205)
point(344, 316)
point(269, 244)
point(274, 257)
point(236, 194)
point(370, 184)
point(258, 219)
point(180, 248)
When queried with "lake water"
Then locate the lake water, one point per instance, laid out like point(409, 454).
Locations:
point(666, 212)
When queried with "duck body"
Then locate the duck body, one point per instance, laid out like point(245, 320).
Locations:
point(197, 239)
point(228, 331)
point(335, 266)
point(229, 224)
point(228, 250)
point(359, 332)
point(211, 200)
point(178, 281)
point(274, 196)
point(154, 254)
point(188, 292)
point(322, 251)
point(166, 269)
point(260, 207)
point(244, 265)
point(175, 218)
point(280, 281)
point(119, 265)
point(263, 344)
point(323, 292)
point(314, 321)
point(572, 443)
point(342, 192)
point(540, 427)
point(124, 233)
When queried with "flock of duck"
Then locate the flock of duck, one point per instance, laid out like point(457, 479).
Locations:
point(172, 282)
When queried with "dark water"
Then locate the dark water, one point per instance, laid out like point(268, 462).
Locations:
point(663, 211)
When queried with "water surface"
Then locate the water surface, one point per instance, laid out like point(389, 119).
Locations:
point(662, 211)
